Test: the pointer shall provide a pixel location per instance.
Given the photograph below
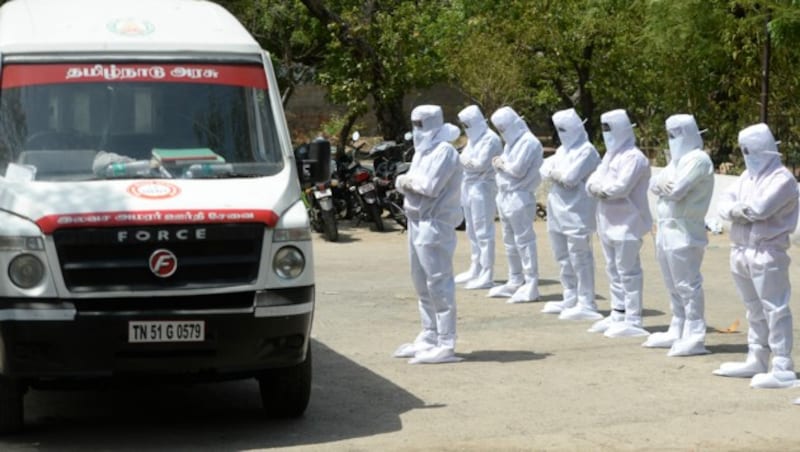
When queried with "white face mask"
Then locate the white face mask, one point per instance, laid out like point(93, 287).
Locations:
point(608, 139)
point(757, 162)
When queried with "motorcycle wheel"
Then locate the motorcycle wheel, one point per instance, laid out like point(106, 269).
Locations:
point(375, 214)
point(330, 226)
point(398, 215)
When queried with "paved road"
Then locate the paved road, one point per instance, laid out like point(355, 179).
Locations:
point(528, 381)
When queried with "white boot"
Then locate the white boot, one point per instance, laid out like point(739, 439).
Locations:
point(484, 280)
point(602, 325)
point(527, 293)
point(580, 312)
point(424, 341)
point(504, 291)
point(667, 338)
point(435, 355)
point(553, 307)
point(755, 363)
point(625, 329)
point(693, 340)
point(781, 376)
point(467, 275)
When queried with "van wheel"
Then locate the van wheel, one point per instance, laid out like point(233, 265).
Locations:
point(285, 392)
point(11, 407)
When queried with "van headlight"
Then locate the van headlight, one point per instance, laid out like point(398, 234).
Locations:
point(26, 271)
point(289, 262)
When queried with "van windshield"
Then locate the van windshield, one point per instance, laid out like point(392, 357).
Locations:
point(62, 122)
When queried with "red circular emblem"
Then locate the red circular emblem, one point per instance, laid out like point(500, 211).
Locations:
point(154, 189)
point(163, 263)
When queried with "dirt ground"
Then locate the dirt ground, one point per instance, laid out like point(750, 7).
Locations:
point(528, 380)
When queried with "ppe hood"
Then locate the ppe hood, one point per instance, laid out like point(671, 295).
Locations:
point(474, 122)
point(759, 148)
point(683, 136)
point(120, 203)
point(617, 131)
point(429, 128)
point(509, 124)
point(570, 128)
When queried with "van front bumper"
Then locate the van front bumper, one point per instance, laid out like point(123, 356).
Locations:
point(53, 339)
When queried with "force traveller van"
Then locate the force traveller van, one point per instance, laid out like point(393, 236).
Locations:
point(150, 216)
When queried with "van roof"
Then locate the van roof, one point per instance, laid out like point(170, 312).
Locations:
point(120, 26)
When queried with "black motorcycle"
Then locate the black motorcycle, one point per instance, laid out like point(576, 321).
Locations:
point(356, 191)
point(313, 169)
point(388, 160)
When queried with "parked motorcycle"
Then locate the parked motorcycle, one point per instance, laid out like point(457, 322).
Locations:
point(357, 188)
point(313, 168)
point(388, 159)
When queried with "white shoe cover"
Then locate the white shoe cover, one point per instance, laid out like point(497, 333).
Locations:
point(525, 294)
point(796, 401)
point(737, 369)
point(660, 340)
point(774, 380)
point(625, 329)
point(553, 307)
point(688, 347)
point(504, 291)
point(479, 282)
point(466, 276)
point(411, 349)
point(435, 355)
point(579, 313)
point(601, 325)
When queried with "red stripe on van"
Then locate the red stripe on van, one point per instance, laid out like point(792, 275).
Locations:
point(16, 75)
point(50, 223)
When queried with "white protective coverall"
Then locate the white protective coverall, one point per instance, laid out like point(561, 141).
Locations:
point(571, 217)
point(762, 206)
point(623, 218)
point(432, 190)
point(684, 191)
point(517, 178)
point(478, 192)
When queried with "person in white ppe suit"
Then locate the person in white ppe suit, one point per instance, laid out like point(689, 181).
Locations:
point(478, 191)
point(623, 218)
point(517, 178)
point(684, 191)
point(571, 217)
point(762, 206)
point(432, 189)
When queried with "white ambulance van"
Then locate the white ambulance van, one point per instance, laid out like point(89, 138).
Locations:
point(151, 223)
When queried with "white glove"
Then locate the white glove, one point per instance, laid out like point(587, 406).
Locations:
point(737, 213)
point(498, 163)
point(593, 190)
point(555, 176)
point(466, 162)
point(403, 183)
point(666, 187)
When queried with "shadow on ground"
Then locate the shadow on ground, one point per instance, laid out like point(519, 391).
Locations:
point(502, 356)
point(222, 416)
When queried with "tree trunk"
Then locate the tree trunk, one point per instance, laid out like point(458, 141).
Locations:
point(392, 121)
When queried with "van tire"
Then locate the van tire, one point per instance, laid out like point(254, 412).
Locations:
point(11, 405)
point(285, 392)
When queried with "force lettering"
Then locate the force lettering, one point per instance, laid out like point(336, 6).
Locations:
point(161, 235)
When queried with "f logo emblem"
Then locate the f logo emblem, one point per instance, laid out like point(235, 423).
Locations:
point(163, 263)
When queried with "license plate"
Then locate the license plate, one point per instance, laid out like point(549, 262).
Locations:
point(365, 188)
point(322, 193)
point(166, 331)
